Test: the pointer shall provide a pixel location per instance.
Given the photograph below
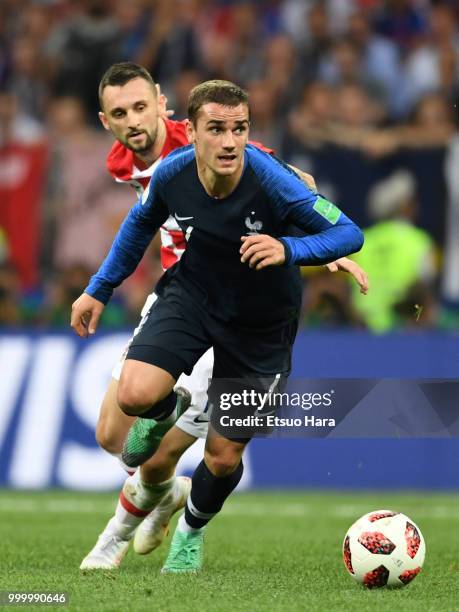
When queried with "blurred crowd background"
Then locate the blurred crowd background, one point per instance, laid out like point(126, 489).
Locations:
point(363, 94)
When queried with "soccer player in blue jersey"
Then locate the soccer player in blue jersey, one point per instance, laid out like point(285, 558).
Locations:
point(236, 289)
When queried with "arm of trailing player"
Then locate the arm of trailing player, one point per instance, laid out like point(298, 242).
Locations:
point(331, 234)
point(135, 234)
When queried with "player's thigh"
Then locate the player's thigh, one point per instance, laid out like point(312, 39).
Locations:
point(171, 340)
point(113, 424)
point(151, 299)
point(111, 396)
point(249, 366)
point(250, 363)
point(241, 352)
point(142, 384)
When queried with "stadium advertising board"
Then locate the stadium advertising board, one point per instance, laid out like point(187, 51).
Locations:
point(52, 385)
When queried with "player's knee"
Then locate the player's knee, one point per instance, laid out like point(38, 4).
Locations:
point(222, 464)
point(137, 395)
point(106, 438)
point(132, 399)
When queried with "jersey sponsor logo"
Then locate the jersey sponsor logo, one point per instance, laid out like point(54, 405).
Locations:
point(253, 225)
point(182, 218)
point(327, 210)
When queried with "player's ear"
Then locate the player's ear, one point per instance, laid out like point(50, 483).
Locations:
point(190, 132)
point(103, 120)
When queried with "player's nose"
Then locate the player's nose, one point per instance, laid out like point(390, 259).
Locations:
point(228, 140)
point(133, 120)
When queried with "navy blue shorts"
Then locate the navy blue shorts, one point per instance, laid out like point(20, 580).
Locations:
point(177, 331)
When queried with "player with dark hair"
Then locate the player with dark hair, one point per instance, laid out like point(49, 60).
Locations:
point(235, 290)
point(134, 111)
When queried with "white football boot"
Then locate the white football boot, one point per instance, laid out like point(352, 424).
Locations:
point(108, 552)
point(155, 527)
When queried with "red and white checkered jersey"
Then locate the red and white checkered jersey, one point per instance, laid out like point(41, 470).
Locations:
point(125, 167)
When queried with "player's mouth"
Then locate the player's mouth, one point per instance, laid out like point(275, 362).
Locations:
point(227, 158)
point(136, 135)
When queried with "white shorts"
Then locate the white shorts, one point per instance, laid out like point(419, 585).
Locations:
point(195, 420)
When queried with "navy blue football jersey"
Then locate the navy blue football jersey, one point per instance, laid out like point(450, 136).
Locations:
point(269, 199)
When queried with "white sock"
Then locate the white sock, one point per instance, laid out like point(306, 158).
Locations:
point(137, 499)
point(183, 526)
point(148, 496)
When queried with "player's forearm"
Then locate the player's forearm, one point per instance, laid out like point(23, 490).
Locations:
point(330, 233)
point(127, 250)
point(326, 246)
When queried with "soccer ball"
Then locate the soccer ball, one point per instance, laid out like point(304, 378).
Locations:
point(384, 548)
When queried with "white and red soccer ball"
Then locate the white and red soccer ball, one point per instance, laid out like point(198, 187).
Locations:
point(384, 548)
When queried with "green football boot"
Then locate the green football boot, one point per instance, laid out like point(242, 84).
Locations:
point(186, 553)
point(145, 435)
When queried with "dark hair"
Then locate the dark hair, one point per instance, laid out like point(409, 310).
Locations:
point(122, 73)
point(219, 92)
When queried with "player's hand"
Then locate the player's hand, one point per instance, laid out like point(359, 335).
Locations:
point(261, 251)
point(309, 180)
point(347, 265)
point(86, 312)
point(164, 112)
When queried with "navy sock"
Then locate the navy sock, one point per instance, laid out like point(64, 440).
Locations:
point(162, 409)
point(208, 494)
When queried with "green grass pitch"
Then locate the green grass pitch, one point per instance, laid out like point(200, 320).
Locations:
point(265, 552)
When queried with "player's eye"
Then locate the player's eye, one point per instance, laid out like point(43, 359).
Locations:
point(240, 130)
point(118, 114)
point(215, 130)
